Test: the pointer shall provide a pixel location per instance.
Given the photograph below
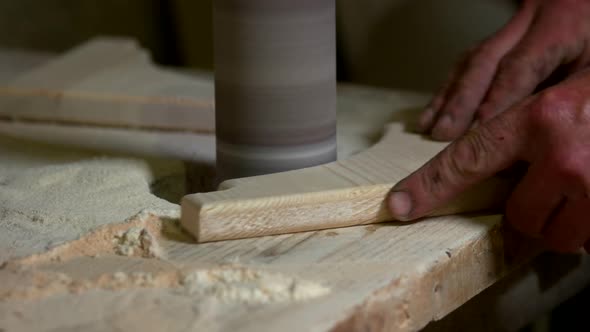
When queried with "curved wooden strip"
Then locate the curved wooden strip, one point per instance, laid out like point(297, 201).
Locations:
point(338, 194)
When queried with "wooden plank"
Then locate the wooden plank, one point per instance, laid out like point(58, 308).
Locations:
point(386, 277)
point(184, 146)
point(112, 83)
point(338, 194)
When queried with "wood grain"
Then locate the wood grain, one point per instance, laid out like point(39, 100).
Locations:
point(338, 194)
point(109, 83)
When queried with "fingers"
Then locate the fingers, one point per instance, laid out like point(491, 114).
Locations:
point(530, 63)
point(570, 228)
point(533, 200)
point(472, 158)
point(464, 96)
point(452, 110)
point(429, 115)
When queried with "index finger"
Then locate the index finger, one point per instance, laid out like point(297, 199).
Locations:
point(479, 154)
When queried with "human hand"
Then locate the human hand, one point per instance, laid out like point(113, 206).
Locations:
point(544, 40)
point(550, 131)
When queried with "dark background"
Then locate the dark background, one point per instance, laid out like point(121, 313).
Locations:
point(406, 44)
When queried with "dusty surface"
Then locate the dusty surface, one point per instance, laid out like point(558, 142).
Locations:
point(87, 244)
point(85, 232)
point(50, 196)
point(82, 232)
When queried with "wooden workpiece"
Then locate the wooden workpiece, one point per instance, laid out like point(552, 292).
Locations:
point(139, 271)
point(344, 193)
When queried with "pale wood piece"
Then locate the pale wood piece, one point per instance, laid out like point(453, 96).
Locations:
point(113, 83)
point(184, 146)
point(343, 193)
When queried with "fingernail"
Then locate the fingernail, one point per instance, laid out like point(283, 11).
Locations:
point(400, 205)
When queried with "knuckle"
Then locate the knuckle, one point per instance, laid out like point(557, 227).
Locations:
point(433, 181)
point(543, 114)
point(471, 155)
point(524, 63)
point(517, 69)
point(512, 62)
point(506, 81)
point(549, 98)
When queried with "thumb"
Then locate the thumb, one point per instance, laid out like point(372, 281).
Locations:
point(472, 158)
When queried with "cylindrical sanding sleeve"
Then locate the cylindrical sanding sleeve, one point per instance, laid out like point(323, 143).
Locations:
point(275, 85)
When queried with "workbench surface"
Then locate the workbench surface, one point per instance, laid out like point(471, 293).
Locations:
point(141, 271)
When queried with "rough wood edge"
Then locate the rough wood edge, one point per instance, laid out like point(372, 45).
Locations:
point(410, 303)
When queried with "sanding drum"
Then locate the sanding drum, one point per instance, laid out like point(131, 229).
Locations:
point(275, 85)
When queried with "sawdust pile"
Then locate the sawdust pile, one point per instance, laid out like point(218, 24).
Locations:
point(59, 205)
point(138, 236)
point(49, 196)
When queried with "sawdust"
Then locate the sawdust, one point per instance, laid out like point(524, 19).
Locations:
point(35, 284)
point(248, 286)
point(141, 309)
point(138, 236)
point(137, 241)
point(227, 285)
point(50, 196)
point(59, 205)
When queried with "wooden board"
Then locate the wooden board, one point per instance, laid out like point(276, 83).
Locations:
point(109, 83)
point(339, 194)
point(386, 277)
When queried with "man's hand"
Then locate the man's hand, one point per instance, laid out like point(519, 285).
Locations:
point(550, 131)
point(544, 41)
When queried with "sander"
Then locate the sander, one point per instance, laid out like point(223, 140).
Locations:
point(275, 85)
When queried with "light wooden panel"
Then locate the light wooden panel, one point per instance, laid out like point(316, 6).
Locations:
point(111, 83)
